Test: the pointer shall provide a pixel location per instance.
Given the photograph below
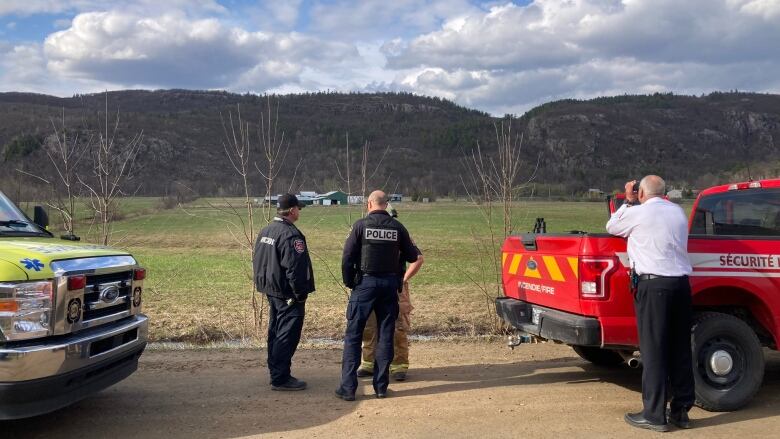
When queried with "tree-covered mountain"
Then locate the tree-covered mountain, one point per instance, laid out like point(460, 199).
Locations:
point(568, 146)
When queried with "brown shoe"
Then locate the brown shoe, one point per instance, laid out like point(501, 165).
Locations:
point(398, 376)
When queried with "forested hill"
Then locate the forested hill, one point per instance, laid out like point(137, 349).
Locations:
point(692, 141)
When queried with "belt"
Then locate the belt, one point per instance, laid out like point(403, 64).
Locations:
point(655, 276)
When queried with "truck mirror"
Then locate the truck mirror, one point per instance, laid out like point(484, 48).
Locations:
point(40, 217)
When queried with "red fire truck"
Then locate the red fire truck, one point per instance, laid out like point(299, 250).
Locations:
point(574, 288)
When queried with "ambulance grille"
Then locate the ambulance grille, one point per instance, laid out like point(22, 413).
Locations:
point(95, 307)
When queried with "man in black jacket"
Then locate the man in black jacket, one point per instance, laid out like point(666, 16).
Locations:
point(369, 266)
point(283, 272)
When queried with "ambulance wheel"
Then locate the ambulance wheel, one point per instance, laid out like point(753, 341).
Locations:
point(598, 356)
point(728, 362)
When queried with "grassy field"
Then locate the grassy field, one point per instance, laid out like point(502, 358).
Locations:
point(198, 287)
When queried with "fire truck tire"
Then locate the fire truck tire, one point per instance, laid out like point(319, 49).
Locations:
point(728, 362)
point(598, 356)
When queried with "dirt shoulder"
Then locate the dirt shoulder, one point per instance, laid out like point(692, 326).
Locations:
point(456, 389)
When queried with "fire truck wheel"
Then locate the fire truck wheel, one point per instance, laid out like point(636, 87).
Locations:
point(728, 362)
point(598, 356)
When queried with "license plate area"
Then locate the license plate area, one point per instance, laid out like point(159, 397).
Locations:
point(536, 314)
point(110, 343)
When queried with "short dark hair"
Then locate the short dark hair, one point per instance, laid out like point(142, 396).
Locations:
point(284, 212)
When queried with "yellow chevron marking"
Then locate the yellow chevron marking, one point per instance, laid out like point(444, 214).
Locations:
point(573, 265)
point(552, 267)
point(514, 264)
point(532, 273)
point(503, 259)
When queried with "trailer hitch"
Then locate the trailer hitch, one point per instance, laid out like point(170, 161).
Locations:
point(518, 339)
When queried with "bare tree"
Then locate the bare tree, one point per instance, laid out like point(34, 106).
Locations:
point(113, 160)
point(488, 181)
point(65, 153)
point(274, 152)
point(366, 176)
point(239, 149)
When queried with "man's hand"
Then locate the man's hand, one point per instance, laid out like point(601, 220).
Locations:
point(631, 196)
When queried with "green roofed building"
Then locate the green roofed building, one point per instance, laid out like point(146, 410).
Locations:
point(332, 198)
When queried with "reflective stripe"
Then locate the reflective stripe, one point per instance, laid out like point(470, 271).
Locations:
point(573, 263)
point(515, 263)
point(549, 267)
point(398, 368)
point(552, 267)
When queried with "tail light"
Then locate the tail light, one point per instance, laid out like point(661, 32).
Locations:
point(139, 274)
point(594, 276)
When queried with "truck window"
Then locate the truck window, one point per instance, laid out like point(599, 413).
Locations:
point(9, 212)
point(753, 212)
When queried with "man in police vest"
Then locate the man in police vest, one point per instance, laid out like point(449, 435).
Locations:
point(400, 364)
point(283, 272)
point(369, 266)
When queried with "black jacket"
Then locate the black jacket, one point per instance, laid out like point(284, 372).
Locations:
point(350, 261)
point(281, 263)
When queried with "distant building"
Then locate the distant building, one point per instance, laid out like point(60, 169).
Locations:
point(332, 198)
point(595, 193)
point(271, 201)
point(356, 199)
point(675, 194)
point(395, 198)
point(307, 197)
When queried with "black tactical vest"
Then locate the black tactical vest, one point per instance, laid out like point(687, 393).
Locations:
point(381, 245)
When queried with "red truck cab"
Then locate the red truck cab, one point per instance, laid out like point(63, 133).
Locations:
point(574, 288)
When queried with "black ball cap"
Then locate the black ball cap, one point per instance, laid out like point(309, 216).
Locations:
point(288, 201)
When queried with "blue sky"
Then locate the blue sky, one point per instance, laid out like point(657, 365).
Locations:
point(500, 57)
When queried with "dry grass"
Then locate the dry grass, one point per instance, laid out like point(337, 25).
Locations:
point(199, 289)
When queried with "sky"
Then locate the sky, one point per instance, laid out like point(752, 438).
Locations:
point(496, 56)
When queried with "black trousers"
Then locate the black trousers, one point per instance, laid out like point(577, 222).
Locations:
point(285, 323)
point(663, 311)
point(380, 295)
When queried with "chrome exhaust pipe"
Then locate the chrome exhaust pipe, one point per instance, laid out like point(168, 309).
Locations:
point(633, 361)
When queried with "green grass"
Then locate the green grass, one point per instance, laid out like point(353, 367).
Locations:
point(198, 286)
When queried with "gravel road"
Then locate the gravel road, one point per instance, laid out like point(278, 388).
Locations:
point(456, 389)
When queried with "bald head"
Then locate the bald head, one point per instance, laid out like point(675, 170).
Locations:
point(377, 201)
point(652, 186)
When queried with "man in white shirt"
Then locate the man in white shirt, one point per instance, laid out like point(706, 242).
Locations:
point(657, 232)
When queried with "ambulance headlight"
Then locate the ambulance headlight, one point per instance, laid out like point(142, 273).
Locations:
point(25, 310)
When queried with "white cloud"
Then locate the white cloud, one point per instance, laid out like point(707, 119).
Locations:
point(31, 7)
point(378, 19)
point(494, 56)
point(174, 51)
point(768, 9)
point(517, 91)
point(512, 57)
